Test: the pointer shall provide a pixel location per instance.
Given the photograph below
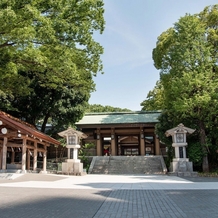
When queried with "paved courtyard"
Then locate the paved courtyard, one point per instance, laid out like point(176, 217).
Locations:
point(104, 196)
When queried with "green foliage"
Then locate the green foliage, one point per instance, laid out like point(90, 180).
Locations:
point(95, 108)
point(63, 141)
point(84, 153)
point(155, 99)
point(170, 155)
point(89, 146)
point(195, 153)
point(165, 123)
point(186, 56)
point(84, 150)
point(48, 58)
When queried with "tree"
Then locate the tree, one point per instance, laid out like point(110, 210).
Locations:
point(155, 99)
point(48, 58)
point(186, 55)
point(100, 108)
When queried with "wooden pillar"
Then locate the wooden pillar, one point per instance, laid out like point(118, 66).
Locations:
point(44, 159)
point(99, 143)
point(157, 146)
point(24, 155)
point(4, 153)
point(142, 142)
point(35, 157)
point(113, 146)
point(28, 159)
point(1, 153)
point(99, 147)
point(142, 146)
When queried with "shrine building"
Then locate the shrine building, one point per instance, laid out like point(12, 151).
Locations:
point(22, 146)
point(122, 133)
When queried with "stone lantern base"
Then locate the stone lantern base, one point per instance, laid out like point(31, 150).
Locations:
point(73, 167)
point(182, 167)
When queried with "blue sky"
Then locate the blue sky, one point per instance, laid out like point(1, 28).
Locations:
point(131, 32)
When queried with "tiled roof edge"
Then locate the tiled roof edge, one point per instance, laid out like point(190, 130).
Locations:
point(130, 112)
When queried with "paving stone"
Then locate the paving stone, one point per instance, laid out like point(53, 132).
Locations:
point(100, 197)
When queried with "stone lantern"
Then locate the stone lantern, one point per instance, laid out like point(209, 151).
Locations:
point(181, 165)
point(72, 165)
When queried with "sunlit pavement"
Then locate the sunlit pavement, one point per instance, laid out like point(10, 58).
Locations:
point(110, 182)
point(48, 195)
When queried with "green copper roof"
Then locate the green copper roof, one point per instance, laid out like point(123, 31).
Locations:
point(120, 118)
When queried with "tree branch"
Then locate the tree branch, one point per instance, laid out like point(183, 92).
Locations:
point(6, 44)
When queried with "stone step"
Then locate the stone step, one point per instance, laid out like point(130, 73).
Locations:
point(128, 165)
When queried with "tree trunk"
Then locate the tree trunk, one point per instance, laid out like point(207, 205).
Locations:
point(45, 122)
point(205, 164)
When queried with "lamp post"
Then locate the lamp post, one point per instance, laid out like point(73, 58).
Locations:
point(180, 164)
point(72, 146)
point(72, 165)
point(179, 142)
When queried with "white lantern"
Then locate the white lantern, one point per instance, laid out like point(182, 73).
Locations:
point(4, 131)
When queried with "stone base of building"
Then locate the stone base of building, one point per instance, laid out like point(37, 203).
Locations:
point(72, 167)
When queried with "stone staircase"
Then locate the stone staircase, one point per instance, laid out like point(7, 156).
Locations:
point(128, 165)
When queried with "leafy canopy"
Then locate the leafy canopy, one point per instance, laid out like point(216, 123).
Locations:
point(100, 108)
point(186, 56)
point(48, 57)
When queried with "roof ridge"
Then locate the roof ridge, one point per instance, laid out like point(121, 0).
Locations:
point(121, 112)
point(18, 120)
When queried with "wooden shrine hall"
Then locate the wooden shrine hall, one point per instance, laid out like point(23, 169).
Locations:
point(22, 145)
point(122, 133)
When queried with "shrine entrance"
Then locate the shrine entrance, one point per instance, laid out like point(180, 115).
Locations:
point(121, 133)
point(128, 145)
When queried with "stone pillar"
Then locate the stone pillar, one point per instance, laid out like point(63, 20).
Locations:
point(4, 154)
point(184, 152)
point(73, 166)
point(35, 157)
point(68, 153)
point(24, 156)
point(75, 152)
point(177, 147)
point(157, 146)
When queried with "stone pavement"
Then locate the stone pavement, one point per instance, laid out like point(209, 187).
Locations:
point(108, 196)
